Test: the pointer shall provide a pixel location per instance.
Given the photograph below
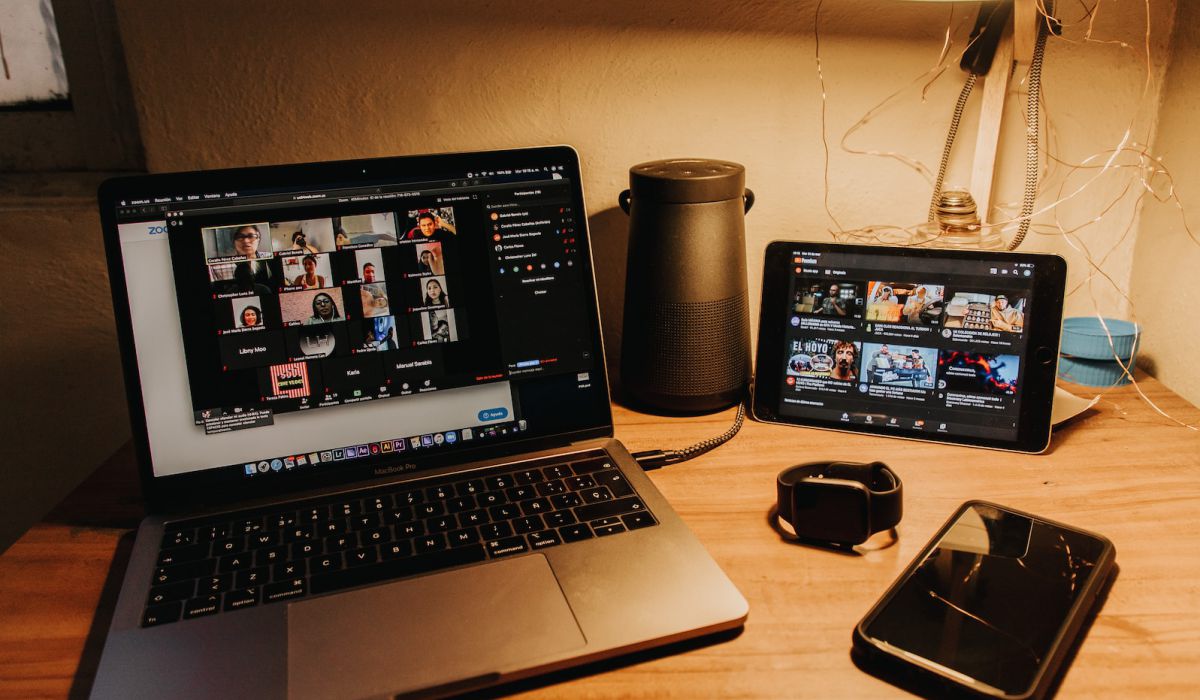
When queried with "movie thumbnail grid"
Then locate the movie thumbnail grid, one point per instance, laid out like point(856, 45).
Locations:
point(911, 303)
point(836, 365)
point(289, 292)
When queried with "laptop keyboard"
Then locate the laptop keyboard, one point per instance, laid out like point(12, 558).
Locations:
point(281, 553)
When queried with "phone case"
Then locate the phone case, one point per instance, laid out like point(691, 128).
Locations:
point(929, 678)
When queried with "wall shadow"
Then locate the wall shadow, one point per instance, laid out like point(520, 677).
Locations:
point(609, 235)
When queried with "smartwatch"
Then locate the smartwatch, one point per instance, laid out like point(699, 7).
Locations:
point(839, 502)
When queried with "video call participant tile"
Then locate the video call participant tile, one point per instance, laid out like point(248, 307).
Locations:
point(307, 271)
point(431, 225)
point(248, 312)
point(261, 277)
point(289, 380)
point(311, 307)
point(374, 300)
point(436, 326)
point(310, 236)
point(412, 369)
point(354, 377)
point(429, 258)
point(316, 341)
point(249, 241)
point(428, 292)
point(246, 350)
point(380, 334)
point(368, 266)
point(365, 230)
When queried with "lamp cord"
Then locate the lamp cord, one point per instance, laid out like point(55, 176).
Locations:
point(954, 120)
point(1032, 130)
point(654, 459)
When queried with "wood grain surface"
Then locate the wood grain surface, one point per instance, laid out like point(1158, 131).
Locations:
point(1120, 469)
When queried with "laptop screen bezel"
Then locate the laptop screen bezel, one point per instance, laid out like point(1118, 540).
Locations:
point(172, 493)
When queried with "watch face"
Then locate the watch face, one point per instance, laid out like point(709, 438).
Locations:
point(831, 510)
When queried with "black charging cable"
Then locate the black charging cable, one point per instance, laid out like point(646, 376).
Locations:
point(656, 459)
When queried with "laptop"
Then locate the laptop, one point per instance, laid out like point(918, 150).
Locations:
point(372, 421)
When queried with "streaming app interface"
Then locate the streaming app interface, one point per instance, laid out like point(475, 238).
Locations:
point(293, 330)
point(871, 341)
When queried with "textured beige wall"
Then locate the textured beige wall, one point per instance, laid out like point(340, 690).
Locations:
point(225, 83)
point(1166, 261)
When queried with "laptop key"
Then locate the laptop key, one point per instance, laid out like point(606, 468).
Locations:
point(430, 543)
point(475, 517)
point(341, 542)
point(428, 510)
point(186, 553)
point(362, 557)
point(395, 550)
point(212, 533)
point(504, 512)
point(460, 504)
point(593, 465)
point(604, 509)
point(325, 563)
point(566, 500)
point(171, 592)
point(635, 521)
point(558, 471)
point(574, 533)
point(537, 505)
point(287, 569)
point(377, 535)
point(460, 538)
point(199, 607)
point(578, 483)
point(438, 493)
point(600, 493)
point(559, 518)
point(400, 514)
point(396, 568)
point(263, 539)
point(492, 498)
point(235, 562)
point(303, 550)
point(379, 504)
point(469, 487)
point(345, 509)
point(551, 488)
point(241, 598)
point(495, 531)
point(507, 546)
point(520, 493)
point(161, 614)
point(365, 521)
point(284, 590)
point(604, 530)
point(178, 538)
point(615, 481)
point(251, 577)
point(229, 546)
point(528, 524)
point(216, 584)
point(410, 498)
point(443, 524)
point(543, 539)
point(529, 476)
point(181, 572)
point(498, 483)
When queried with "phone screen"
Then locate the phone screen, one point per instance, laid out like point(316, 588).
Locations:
point(990, 597)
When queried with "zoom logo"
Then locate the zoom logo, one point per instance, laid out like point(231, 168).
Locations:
point(155, 230)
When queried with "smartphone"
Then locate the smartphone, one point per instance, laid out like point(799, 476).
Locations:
point(990, 607)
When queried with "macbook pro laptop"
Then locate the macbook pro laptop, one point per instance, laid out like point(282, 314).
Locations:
point(372, 421)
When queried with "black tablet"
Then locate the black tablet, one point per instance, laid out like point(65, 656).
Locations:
point(947, 345)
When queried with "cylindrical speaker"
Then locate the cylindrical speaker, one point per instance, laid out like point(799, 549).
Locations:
point(686, 338)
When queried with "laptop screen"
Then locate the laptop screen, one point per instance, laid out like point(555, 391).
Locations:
point(287, 325)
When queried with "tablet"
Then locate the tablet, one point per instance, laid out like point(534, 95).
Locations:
point(948, 345)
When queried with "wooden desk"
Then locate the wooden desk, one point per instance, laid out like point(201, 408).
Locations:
point(1121, 470)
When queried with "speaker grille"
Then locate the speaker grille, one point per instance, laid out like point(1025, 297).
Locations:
point(698, 349)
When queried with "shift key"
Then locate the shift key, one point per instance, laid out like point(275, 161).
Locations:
point(606, 509)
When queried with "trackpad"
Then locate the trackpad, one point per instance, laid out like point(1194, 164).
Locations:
point(428, 631)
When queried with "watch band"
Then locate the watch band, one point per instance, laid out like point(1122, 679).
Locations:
point(874, 486)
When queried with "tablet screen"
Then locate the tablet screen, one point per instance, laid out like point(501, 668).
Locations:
point(919, 343)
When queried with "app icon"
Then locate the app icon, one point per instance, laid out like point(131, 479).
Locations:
point(385, 446)
point(468, 434)
point(451, 437)
point(314, 458)
point(416, 442)
point(438, 438)
point(276, 464)
point(327, 456)
point(339, 454)
point(374, 448)
point(426, 440)
point(251, 469)
point(289, 462)
point(400, 445)
point(264, 467)
point(364, 451)
point(301, 460)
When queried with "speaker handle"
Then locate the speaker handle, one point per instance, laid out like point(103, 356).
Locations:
point(623, 200)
